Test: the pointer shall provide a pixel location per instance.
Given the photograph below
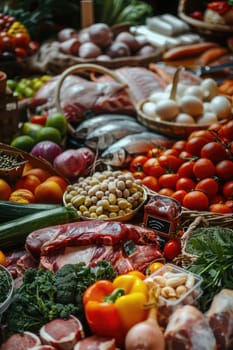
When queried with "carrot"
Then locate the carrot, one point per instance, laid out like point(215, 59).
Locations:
point(184, 51)
point(211, 54)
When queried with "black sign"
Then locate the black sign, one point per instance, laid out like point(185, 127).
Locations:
point(158, 225)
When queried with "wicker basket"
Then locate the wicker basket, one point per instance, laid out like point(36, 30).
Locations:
point(209, 30)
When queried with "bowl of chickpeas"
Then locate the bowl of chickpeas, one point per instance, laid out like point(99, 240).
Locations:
point(106, 195)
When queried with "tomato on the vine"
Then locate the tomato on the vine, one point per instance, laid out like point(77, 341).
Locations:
point(171, 249)
point(196, 200)
point(227, 189)
point(220, 208)
point(186, 169)
point(151, 182)
point(195, 144)
point(214, 151)
point(168, 180)
point(209, 186)
point(203, 168)
point(137, 162)
point(170, 162)
point(179, 145)
point(179, 196)
point(224, 169)
point(153, 168)
point(185, 183)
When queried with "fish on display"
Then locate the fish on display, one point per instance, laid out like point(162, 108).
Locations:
point(87, 126)
point(121, 152)
point(104, 136)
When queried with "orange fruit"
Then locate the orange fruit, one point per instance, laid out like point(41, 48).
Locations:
point(5, 190)
point(59, 180)
point(2, 258)
point(27, 167)
point(29, 182)
point(38, 172)
point(49, 192)
point(22, 196)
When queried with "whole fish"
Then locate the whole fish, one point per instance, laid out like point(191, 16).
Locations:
point(122, 151)
point(104, 136)
point(88, 125)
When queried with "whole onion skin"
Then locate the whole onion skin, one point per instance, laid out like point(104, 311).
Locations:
point(73, 162)
point(47, 150)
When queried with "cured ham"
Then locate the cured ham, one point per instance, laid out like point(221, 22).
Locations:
point(21, 341)
point(95, 343)
point(188, 329)
point(220, 318)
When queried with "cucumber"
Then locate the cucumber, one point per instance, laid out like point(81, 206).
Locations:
point(14, 233)
point(12, 210)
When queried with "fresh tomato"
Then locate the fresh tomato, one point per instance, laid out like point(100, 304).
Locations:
point(153, 267)
point(209, 186)
point(20, 52)
point(228, 190)
point(197, 15)
point(221, 7)
point(170, 162)
point(184, 155)
point(155, 152)
point(224, 170)
point(229, 203)
point(226, 130)
point(204, 133)
point(179, 196)
point(151, 182)
point(196, 200)
point(203, 168)
point(214, 151)
point(168, 181)
point(21, 39)
point(186, 169)
point(38, 119)
point(171, 152)
point(179, 145)
point(220, 208)
point(137, 163)
point(139, 174)
point(195, 144)
point(166, 192)
point(186, 184)
point(153, 168)
point(171, 249)
point(218, 198)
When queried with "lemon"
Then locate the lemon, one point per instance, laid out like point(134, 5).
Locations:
point(23, 142)
point(58, 121)
point(31, 129)
point(49, 133)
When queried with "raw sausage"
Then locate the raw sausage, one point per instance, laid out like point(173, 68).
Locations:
point(184, 51)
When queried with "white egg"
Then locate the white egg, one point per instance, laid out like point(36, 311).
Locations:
point(158, 96)
point(195, 91)
point(207, 107)
point(180, 89)
point(209, 87)
point(167, 109)
point(221, 106)
point(184, 118)
point(207, 118)
point(191, 105)
point(149, 109)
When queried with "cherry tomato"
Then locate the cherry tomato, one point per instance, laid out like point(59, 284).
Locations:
point(203, 133)
point(179, 196)
point(203, 168)
point(196, 200)
point(220, 208)
point(166, 192)
point(226, 130)
point(224, 170)
point(21, 39)
point(228, 189)
point(137, 163)
point(168, 181)
point(186, 169)
point(195, 144)
point(170, 162)
point(139, 174)
point(153, 168)
point(218, 198)
point(197, 15)
point(214, 151)
point(184, 155)
point(171, 152)
point(6, 43)
point(39, 119)
point(186, 184)
point(20, 52)
point(209, 186)
point(151, 182)
point(229, 203)
point(153, 267)
point(180, 145)
point(155, 152)
point(171, 249)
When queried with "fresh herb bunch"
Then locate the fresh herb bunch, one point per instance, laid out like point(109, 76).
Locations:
point(5, 285)
point(214, 248)
point(44, 296)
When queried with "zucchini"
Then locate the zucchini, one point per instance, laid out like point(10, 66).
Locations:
point(14, 233)
point(12, 210)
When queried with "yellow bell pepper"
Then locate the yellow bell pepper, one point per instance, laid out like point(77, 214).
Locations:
point(112, 308)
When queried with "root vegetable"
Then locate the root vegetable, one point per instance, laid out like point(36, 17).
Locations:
point(128, 39)
point(146, 335)
point(89, 50)
point(70, 46)
point(118, 49)
point(100, 34)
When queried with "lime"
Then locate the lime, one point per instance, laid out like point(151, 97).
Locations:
point(31, 129)
point(23, 142)
point(58, 121)
point(49, 133)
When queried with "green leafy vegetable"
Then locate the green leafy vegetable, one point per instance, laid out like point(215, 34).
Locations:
point(44, 296)
point(214, 248)
point(5, 285)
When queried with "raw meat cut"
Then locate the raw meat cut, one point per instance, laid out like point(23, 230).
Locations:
point(95, 343)
point(43, 347)
point(220, 318)
point(63, 334)
point(21, 341)
point(188, 329)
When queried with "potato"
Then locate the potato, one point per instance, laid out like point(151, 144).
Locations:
point(66, 33)
point(100, 34)
point(89, 50)
point(128, 39)
point(146, 50)
point(118, 49)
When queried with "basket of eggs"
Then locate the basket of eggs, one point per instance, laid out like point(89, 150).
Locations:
point(180, 109)
point(212, 19)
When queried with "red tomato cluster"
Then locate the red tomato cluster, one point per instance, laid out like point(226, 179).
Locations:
point(198, 172)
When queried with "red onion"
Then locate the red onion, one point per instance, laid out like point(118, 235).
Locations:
point(48, 150)
point(73, 162)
